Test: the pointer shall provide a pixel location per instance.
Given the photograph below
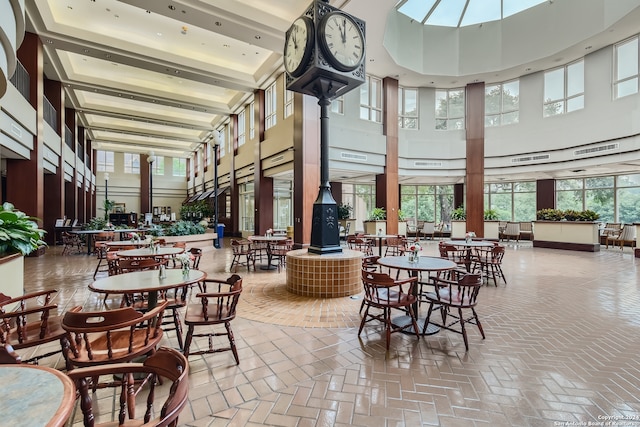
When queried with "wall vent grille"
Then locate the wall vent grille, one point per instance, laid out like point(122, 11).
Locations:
point(427, 164)
point(530, 158)
point(353, 156)
point(277, 159)
point(597, 149)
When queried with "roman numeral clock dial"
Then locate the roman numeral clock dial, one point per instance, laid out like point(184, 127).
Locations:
point(298, 46)
point(341, 41)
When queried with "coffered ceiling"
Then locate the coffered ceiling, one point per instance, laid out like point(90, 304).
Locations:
point(161, 74)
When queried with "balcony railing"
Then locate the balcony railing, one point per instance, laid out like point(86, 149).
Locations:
point(20, 80)
point(50, 114)
point(68, 137)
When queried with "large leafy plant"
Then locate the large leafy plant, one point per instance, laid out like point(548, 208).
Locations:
point(18, 231)
point(378, 214)
point(344, 211)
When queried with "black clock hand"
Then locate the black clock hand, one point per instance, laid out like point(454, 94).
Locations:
point(343, 31)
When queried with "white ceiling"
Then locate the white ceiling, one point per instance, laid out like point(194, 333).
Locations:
point(161, 74)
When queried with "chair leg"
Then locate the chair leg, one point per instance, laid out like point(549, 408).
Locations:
point(232, 342)
point(97, 267)
point(387, 323)
point(364, 320)
point(464, 330)
point(178, 323)
point(475, 316)
point(187, 341)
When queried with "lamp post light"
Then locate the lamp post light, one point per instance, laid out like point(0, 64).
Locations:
point(106, 186)
point(151, 157)
point(216, 144)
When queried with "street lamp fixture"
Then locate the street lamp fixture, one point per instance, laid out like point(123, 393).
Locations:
point(216, 144)
point(151, 157)
point(106, 186)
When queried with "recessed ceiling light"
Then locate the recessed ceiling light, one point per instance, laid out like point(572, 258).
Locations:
point(172, 7)
point(49, 41)
point(527, 69)
point(218, 24)
point(148, 11)
point(257, 37)
point(177, 71)
point(159, 34)
point(226, 45)
point(85, 50)
point(108, 56)
point(588, 47)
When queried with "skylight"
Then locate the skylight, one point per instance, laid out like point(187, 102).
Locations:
point(461, 13)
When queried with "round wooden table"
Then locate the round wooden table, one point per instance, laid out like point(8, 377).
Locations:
point(146, 281)
point(269, 240)
point(429, 264)
point(379, 237)
point(35, 396)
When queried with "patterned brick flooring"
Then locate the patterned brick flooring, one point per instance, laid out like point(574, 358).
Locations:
point(562, 346)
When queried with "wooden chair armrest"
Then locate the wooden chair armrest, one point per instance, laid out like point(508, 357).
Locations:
point(217, 294)
point(28, 296)
point(27, 311)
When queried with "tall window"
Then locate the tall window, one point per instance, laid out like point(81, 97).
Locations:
point(371, 100)
point(104, 161)
point(157, 167)
point(614, 198)
point(628, 198)
point(564, 89)
point(511, 201)
point(131, 163)
point(270, 107)
point(626, 72)
point(247, 204)
point(288, 103)
point(282, 204)
point(432, 203)
point(223, 141)
point(241, 128)
point(206, 157)
point(362, 197)
point(337, 105)
point(407, 108)
point(502, 103)
point(179, 167)
point(449, 109)
point(252, 120)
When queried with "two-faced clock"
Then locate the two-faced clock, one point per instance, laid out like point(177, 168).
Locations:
point(341, 41)
point(298, 46)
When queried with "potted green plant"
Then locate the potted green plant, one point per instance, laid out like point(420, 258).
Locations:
point(347, 224)
point(567, 229)
point(107, 206)
point(377, 222)
point(18, 232)
point(490, 215)
point(344, 211)
point(19, 236)
point(459, 214)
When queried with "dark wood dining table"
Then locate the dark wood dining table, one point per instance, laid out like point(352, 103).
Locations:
point(269, 240)
point(91, 233)
point(34, 395)
point(146, 281)
point(378, 237)
point(468, 247)
point(425, 263)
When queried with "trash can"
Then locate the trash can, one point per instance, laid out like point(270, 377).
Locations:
point(220, 232)
point(290, 231)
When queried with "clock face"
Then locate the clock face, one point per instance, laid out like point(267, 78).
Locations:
point(342, 41)
point(298, 46)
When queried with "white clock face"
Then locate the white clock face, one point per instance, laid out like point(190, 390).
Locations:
point(343, 41)
point(297, 46)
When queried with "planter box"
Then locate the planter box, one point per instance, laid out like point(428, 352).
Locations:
point(202, 241)
point(12, 273)
point(458, 229)
point(569, 235)
point(372, 227)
